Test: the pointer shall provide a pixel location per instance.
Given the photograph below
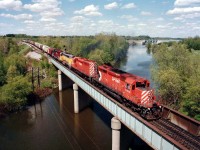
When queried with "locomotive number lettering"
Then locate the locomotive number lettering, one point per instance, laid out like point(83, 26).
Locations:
point(116, 80)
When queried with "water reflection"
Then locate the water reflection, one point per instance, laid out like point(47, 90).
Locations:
point(138, 61)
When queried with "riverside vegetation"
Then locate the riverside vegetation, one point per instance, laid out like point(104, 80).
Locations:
point(176, 74)
point(15, 75)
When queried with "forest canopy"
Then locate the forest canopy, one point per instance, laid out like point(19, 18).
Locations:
point(176, 74)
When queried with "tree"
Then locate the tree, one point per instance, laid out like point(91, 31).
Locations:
point(18, 61)
point(2, 71)
point(176, 73)
point(15, 93)
point(12, 73)
point(97, 55)
point(170, 84)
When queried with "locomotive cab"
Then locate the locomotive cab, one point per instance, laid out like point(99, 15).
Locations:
point(138, 91)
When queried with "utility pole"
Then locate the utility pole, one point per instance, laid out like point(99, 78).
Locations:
point(38, 77)
point(32, 79)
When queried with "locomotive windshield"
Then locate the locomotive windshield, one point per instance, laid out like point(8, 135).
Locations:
point(139, 84)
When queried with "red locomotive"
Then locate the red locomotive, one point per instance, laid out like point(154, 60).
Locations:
point(131, 90)
point(85, 66)
point(55, 53)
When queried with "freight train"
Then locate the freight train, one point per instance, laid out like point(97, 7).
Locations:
point(132, 91)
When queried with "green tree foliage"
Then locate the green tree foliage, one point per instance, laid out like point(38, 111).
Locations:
point(97, 55)
point(14, 85)
point(193, 43)
point(4, 45)
point(14, 94)
point(113, 47)
point(18, 61)
point(176, 73)
point(12, 72)
point(2, 70)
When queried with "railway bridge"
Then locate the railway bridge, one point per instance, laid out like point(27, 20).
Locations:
point(163, 134)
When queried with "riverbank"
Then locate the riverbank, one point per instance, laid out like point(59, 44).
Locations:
point(34, 97)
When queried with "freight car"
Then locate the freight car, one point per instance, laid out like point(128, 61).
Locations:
point(45, 48)
point(131, 90)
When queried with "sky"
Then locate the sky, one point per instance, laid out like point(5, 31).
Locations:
point(156, 18)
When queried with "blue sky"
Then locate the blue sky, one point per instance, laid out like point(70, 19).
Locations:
point(162, 18)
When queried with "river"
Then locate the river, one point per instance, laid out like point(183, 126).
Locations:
point(138, 61)
point(52, 124)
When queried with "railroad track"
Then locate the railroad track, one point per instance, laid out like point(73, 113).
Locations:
point(185, 138)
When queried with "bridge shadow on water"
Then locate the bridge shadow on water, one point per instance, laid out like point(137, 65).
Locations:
point(96, 122)
point(129, 141)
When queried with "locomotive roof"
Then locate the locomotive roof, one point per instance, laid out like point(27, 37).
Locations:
point(117, 71)
point(83, 59)
point(127, 77)
point(133, 79)
point(67, 54)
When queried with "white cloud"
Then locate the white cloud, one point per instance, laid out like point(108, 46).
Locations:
point(183, 10)
point(129, 18)
point(29, 22)
point(18, 17)
point(161, 26)
point(129, 6)
point(11, 4)
point(48, 19)
point(77, 19)
point(145, 13)
point(185, 2)
point(48, 9)
point(187, 16)
point(42, 5)
point(111, 6)
point(89, 10)
point(165, 26)
point(142, 24)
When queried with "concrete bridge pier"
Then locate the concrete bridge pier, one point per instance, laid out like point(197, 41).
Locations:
point(76, 100)
point(63, 81)
point(116, 126)
point(60, 80)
